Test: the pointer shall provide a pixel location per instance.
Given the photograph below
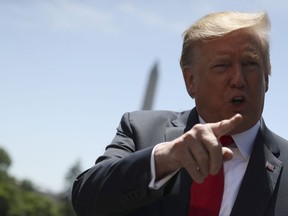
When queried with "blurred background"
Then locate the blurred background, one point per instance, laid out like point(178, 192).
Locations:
point(69, 69)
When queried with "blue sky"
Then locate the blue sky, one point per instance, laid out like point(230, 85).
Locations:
point(69, 69)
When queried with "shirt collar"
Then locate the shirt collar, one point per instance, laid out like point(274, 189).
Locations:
point(244, 140)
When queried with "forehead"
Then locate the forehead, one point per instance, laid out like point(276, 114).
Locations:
point(240, 41)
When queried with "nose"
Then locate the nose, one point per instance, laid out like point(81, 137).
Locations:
point(238, 77)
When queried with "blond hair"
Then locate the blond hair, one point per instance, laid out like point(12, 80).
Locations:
point(219, 24)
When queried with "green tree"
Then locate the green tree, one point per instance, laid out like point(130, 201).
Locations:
point(31, 203)
point(7, 188)
point(70, 177)
point(20, 198)
point(5, 160)
point(73, 172)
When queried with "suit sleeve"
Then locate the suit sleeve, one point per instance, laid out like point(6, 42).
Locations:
point(118, 183)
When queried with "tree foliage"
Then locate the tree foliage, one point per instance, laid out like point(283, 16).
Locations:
point(5, 160)
point(73, 172)
point(21, 198)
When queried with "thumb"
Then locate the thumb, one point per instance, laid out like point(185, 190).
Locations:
point(227, 154)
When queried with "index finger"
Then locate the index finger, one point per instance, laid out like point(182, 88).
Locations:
point(225, 126)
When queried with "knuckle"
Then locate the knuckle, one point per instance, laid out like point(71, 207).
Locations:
point(199, 127)
point(203, 158)
point(215, 146)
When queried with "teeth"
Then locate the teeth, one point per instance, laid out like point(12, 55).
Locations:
point(237, 99)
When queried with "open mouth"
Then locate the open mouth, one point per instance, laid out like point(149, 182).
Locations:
point(238, 100)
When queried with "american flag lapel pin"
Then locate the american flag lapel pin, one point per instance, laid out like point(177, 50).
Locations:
point(270, 166)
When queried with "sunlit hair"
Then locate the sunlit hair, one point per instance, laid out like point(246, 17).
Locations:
point(219, 24)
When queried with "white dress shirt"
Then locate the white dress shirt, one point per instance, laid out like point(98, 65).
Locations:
point(234, 169)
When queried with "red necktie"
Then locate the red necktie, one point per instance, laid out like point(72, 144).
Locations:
point(206, 198)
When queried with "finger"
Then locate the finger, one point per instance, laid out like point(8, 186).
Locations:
point(193, 169)
point(227, 154)
point(225, 126)
point(194, 172)
point(211, 153)
point(219, 129)
point(216, 158)
point(201, 157)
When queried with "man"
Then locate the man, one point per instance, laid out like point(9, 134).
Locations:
point(158, 157)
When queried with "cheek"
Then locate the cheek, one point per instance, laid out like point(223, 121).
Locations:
point(258, 90)
point(210, 94)
point(263, 85)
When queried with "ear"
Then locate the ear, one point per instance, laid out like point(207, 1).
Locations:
point(267, 74)
point(189, 79)
point(266, 82)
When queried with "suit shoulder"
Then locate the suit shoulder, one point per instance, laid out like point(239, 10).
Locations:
point(158, 115)
point(274, 140)
point(281, 141)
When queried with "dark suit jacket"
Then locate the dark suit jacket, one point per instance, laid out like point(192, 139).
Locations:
point(118, 183)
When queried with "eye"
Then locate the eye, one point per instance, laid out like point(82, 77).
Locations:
point(251, 64)
point(221, 66)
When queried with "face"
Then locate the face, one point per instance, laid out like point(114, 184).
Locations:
point(228, 76)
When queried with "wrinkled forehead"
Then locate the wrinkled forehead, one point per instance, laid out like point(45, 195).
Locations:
point(245, 41)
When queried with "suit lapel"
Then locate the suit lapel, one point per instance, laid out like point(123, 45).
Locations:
point(260, 178)
point(181, 124)
point(173, 133)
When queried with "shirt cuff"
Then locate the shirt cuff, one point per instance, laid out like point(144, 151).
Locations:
point(155, 185)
